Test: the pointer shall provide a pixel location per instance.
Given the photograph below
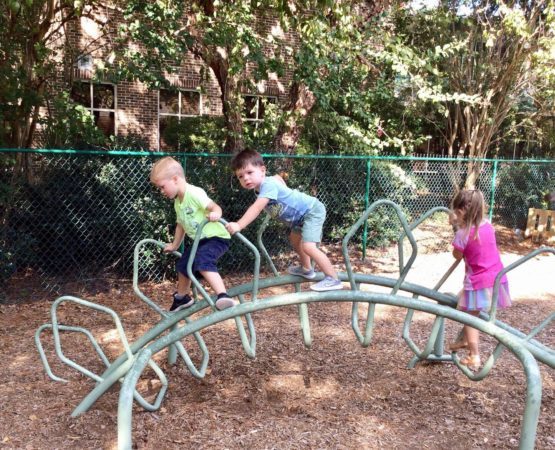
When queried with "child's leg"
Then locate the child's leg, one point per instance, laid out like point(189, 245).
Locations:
point(214, 280)
point(311, 250)
point(183, 284)
point(295, 238)
point(472, 337)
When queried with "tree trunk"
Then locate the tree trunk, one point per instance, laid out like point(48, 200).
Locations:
point(230, 95)
point(289, 131)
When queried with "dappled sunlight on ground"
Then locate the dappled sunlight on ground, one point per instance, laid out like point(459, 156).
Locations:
point(336, 394)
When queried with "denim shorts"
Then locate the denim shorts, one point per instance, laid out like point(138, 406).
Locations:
point(313, 222)
point(209, 250)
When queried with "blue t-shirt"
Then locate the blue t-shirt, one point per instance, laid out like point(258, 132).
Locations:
point(286, 204)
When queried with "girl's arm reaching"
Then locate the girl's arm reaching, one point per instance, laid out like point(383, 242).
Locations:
point(457, 254)
point(250, 214)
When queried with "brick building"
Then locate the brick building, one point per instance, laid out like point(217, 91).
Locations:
point(129, 108)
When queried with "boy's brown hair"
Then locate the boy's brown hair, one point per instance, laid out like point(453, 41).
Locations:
point(166, 168)
point(246, 157)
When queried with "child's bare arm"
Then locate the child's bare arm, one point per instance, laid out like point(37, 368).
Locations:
point(214, 212)
point(251, 214)
point(457, 254)
point(178, 237)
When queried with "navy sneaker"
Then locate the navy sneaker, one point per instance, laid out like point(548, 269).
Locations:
point(180, 303)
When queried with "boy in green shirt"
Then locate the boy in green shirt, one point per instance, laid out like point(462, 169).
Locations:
point(192, 206)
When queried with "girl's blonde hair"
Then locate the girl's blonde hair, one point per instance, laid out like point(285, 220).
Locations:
point(471, 202)
point(166, 168)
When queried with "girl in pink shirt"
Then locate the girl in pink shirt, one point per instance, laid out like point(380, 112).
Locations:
point(475, 243)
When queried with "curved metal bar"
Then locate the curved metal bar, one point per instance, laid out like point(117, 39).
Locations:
point(304, 320)
point(199, 372)
point(360, 222)
point(89, 400)
point(261, 246)
point(541, 327)
point(486, 368)
point(136, 288)
point(539, 351)
point(303, 309)
point(174, 350)
point(412, 226)
point(66, 328)
point(512, 343)
point(435, 340)
point(497, 283)
point(250, 349)
point(366, 337)
point(245, 241)
point(248, 343)
point(430, 343)
point(125, 404)
point(57, 341)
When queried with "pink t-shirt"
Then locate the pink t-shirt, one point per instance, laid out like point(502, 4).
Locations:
point(481, 256)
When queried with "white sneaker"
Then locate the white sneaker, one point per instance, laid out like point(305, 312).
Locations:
point(225, 302)
point(301, 272)
point(327, 284)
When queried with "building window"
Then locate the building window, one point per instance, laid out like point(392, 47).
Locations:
point(173, 108)
point(255, 107)
point(100, 100)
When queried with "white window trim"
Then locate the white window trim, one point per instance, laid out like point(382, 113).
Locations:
point(179, 115)
point(92, 109)
point(258, 97)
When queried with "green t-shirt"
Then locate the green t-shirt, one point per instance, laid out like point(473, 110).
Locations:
point(191, 211)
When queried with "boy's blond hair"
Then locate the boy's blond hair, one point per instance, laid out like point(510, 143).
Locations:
point(166, 168)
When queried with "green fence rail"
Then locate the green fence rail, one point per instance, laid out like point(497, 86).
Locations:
point(76, 213)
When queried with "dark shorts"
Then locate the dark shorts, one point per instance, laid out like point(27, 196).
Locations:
point(209, 250)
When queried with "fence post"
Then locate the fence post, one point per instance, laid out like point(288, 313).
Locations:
point(184, 165)
point(492, 199)
point(366, 205)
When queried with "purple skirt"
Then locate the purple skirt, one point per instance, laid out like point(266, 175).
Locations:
point(480, 299)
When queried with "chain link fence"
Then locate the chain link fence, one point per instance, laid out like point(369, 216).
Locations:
point(81, 214)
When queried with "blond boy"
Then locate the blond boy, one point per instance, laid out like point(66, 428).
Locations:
point(192, 205)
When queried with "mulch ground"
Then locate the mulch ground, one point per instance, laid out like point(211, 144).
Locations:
point(334, 395)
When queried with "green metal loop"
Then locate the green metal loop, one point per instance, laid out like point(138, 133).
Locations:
point(177, 348)
point(366, 337)
point(497, 283)
point(42, 354)
point(505, 339)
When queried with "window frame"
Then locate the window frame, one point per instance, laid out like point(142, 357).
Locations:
point(179, 114)
point(258, 97)
point(91, 108)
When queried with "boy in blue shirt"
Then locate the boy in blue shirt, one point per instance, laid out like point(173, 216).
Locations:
point(303, 213)
point(192, 205)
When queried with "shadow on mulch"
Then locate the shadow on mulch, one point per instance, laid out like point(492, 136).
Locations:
point(336, 394)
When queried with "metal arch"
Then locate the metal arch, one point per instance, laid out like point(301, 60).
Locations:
point(126, 362)
point(137, 355)
point(511, 342)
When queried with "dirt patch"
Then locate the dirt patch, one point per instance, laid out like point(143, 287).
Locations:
point(333, 395)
